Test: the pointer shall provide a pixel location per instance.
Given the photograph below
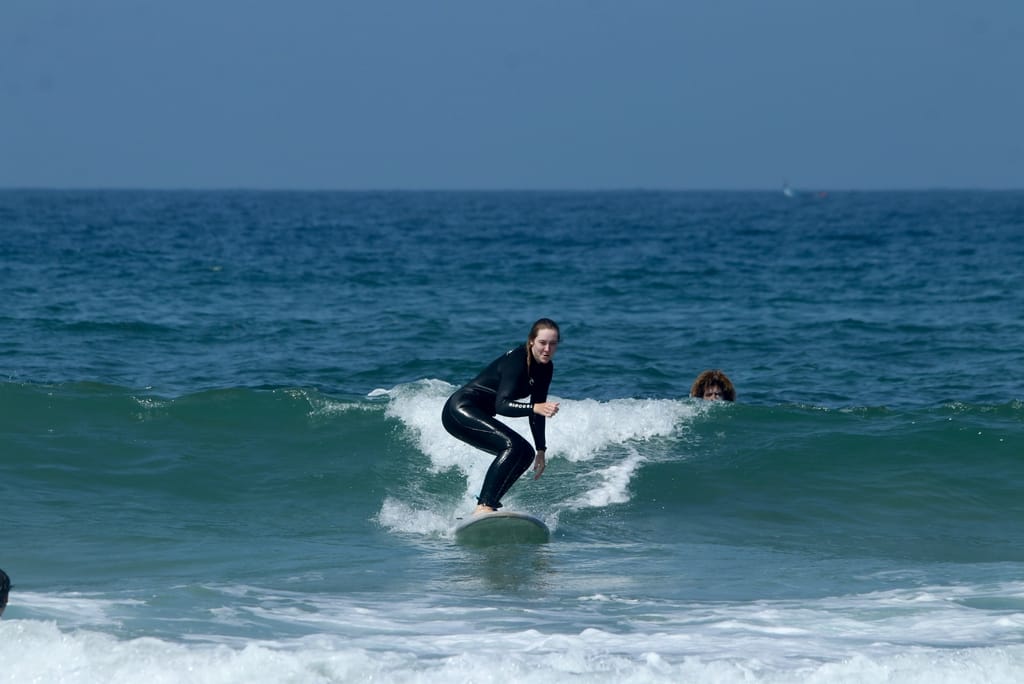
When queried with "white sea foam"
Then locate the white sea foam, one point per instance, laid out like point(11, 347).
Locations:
point(402, 517)
point(584, 431)
point(609, 485)
point(320, 405)
point(581, 430)
point(73, 608)
point(869, 638)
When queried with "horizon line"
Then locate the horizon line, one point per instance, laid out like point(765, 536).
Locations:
point(399, 189)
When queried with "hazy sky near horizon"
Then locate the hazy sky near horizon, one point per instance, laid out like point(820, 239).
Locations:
point(480, 94)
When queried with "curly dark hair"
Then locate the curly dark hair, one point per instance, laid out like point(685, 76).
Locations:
point(713, 377)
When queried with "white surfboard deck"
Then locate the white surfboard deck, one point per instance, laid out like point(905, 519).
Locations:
point(502, 527)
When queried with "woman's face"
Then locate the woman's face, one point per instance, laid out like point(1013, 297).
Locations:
point(544, 345)
point(713, 392)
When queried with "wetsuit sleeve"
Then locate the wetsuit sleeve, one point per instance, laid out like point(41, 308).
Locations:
point(538, 422)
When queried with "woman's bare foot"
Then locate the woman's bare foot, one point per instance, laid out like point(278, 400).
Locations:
point(483, 508)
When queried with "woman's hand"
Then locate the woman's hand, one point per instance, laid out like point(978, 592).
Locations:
point(547, 409)
point(539, 463)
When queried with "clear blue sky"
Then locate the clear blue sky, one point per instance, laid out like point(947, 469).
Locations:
point(560, 94)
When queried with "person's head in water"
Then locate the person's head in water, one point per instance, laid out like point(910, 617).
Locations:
point(543, 340)
point(713, 385)
point(5, 587)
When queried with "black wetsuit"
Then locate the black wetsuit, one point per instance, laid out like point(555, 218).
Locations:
point(469, 416)
point(5, 586)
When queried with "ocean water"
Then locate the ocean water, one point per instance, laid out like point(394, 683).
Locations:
point(221, 457)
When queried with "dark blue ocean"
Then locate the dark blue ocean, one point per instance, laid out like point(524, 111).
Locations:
point(221, 455)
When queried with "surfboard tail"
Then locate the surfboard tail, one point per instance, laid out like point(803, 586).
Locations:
point(502, 527)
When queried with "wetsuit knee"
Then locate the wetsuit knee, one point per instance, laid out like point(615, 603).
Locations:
point(508, 467)
point(463, 419)
point(467, 422)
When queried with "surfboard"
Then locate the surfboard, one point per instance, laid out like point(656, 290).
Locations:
point(502, 527)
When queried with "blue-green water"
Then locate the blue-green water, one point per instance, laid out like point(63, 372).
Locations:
point(221, 456)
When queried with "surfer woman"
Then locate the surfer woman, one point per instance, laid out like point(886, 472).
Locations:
point(469, 414)
point(713, 385)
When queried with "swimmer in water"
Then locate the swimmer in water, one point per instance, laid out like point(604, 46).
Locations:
point(5, 587)
point(713, 385)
